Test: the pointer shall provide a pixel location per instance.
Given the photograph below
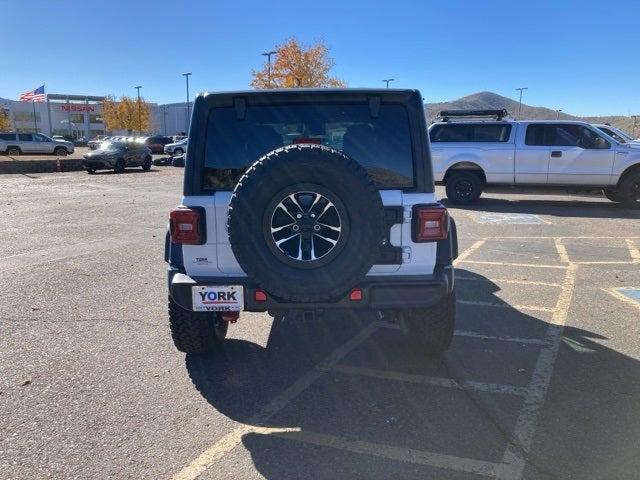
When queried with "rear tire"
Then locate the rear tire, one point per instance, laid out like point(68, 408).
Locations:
point(120, 166)
point(13, 151)
point(463, 187)
point(196, 332)
point(612, 194)
point(146, 165)
point(430, 330)
point(60, 152)
point(91, 171)
point(177, 152)
point(629, 190)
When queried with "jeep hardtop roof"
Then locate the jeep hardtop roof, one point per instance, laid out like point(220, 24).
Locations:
point(411, 99)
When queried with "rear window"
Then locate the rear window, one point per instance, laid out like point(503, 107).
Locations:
point(468, 132)
point(381, 145)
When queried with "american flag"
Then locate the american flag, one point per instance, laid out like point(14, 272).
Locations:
point(36, 95)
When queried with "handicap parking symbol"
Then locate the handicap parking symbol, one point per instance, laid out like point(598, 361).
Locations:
point(630, 292)
point(509, 218)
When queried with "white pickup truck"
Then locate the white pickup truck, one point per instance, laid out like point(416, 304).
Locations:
point(467, 155)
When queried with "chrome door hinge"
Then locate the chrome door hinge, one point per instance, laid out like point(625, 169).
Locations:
point(406, 254)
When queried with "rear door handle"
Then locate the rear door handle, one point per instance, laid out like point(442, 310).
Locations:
point(556, 153)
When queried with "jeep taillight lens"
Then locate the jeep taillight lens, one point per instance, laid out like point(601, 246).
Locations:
point(184, 224)
point(430, 223)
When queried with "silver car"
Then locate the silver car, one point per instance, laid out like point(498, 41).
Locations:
point(177, 148)
point(15, 144)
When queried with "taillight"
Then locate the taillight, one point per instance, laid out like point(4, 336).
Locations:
point(430, 223)
point(185, 226)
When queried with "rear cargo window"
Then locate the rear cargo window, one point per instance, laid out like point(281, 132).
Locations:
point(468, 132)
point(382, 145)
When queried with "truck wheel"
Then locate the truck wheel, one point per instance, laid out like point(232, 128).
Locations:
point(630, 190)
point(13, 151)
point(177, 152)
point(463, 188)
point(612, 194)
point(196, 332)
point(60, 152)
point(146, 165)
point(430, 330)
point(306, 223)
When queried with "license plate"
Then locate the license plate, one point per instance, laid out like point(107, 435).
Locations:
point(219, 298)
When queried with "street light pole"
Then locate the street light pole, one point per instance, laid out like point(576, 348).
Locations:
point(139, 111)
point(521, 89)
point(35, 120)
point(387, 80)
point(558, 113)
point(186, 76)
point(164, 118)
point(268, 55)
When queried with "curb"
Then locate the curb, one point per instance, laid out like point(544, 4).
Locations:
point(40, 166)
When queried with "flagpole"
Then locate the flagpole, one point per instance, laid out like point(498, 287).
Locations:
point(35, 121)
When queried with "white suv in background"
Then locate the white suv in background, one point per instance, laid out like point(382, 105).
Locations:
point(469, 154)
point(617, 134)
point(15, 144)
point(177, 148)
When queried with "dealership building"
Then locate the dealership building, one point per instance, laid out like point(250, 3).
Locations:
point(80, 116)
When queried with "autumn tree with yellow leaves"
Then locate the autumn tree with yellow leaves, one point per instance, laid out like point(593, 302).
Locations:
point(123, 114)
point(5, 122)
point(297, 65)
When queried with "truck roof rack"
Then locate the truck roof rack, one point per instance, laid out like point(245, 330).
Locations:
point(498, 114)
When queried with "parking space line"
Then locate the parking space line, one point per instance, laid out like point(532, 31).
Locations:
point(227, 443)
point(407, 455)
point(633, 251)
point(526, 423)
point(562, 250)
point(507, 280)
point(429, 380)
point(505, 305)
point(615, 293)
point(579, 237)
point(469, 251)
point(531, 341)
point(612, 262)
point(507, 264)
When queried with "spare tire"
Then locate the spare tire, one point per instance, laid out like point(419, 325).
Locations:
point(306, 223)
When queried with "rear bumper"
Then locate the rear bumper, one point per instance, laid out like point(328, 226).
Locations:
point(378, 293)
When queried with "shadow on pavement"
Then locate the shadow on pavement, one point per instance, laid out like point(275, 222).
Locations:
point(588, 426)
point(557, 208)
point(128, 170)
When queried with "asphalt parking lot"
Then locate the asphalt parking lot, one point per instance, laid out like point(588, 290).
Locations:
point(542, 380)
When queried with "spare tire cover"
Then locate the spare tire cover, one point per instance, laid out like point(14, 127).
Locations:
point(306, 223)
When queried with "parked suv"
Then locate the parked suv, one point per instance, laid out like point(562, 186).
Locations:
point(15, 144)
point(617, 134)
point(117, 156)
point(157, 143)
point(467, 155)
point(177, 148)
point(306, 201)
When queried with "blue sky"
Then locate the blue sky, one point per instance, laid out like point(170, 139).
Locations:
point(580, 56)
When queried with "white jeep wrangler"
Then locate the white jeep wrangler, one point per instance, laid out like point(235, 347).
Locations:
point(306, 201)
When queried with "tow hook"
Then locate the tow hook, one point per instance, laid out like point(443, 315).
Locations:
point(231, 317)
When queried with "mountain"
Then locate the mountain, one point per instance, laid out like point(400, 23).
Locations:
point(490, 100)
